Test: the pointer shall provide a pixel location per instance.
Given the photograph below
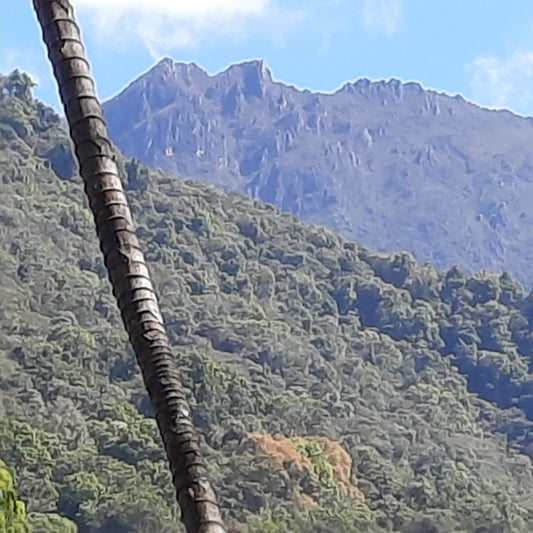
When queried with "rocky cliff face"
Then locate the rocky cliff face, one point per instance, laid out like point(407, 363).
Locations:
point(389, 164)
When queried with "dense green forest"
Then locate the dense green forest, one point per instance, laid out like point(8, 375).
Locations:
point(335, 389)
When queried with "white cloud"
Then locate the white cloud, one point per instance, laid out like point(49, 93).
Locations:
point(163, 25)
point(382, 15)
point(24, 60)
point(507, 82)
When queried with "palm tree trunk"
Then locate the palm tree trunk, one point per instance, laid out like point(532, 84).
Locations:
point(126, 266)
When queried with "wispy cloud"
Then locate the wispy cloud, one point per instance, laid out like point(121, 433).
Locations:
point(163, 25)
point(382, 15)
point(503, 82)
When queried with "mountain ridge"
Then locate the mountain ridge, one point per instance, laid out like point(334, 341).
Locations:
point(362, 82)
point(389, 164)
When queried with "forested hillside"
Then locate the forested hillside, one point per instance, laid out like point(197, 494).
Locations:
point(336, 389)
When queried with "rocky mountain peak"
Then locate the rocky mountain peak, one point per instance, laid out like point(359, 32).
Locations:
point(393, 89)
point(169, 71)
point(252, 77)
point(386, 163)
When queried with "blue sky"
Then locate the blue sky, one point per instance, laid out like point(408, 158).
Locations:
point(482, 49)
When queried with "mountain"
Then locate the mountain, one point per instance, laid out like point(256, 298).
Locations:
point(388, 164)
point(336, 389)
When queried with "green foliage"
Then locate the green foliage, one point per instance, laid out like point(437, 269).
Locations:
point(352, 518)
point(322, 468)
point(12, 510)
point(17, 85)
point(46, 522)
point(278, 327)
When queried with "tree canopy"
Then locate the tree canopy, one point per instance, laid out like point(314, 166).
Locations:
point(336, 388)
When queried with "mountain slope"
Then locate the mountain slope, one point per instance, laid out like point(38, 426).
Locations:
point(330, 383)
point(388, 164)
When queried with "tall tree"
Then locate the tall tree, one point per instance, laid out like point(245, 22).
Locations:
point(126, 266)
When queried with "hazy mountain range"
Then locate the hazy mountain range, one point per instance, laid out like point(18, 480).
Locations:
point(389, 164)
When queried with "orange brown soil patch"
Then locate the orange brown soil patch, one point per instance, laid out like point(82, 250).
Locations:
point(283, 449)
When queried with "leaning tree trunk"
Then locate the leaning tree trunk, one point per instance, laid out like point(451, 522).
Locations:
point(126, 266)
